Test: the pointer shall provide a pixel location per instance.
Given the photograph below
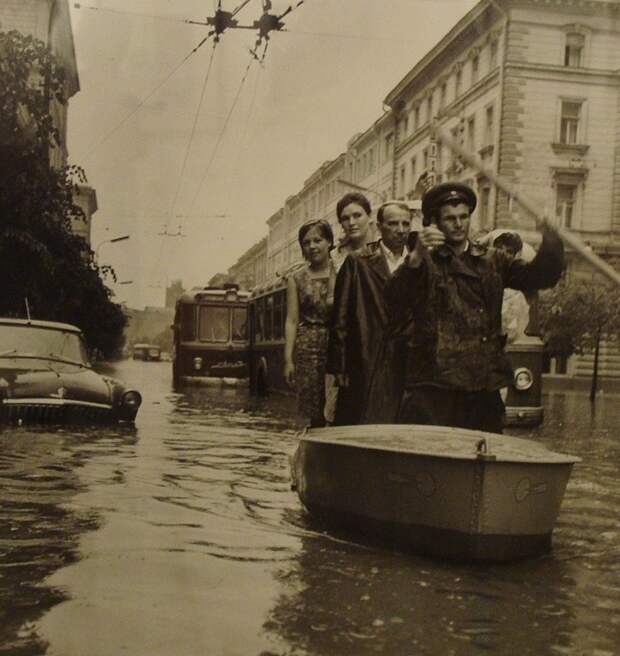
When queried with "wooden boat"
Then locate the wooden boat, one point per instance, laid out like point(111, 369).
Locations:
point(445, 492)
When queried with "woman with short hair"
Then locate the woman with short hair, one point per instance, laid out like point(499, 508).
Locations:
point(354, 216)
point(310, 295)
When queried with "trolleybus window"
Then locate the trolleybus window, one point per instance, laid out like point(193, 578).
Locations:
point(269, 317)
point(260, 320)
point(239, 324)
point(213, 325)
point(278, 315)
point(188, 323)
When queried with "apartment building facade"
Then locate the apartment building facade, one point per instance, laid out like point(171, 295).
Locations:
point(532, 88)
point(50, 22)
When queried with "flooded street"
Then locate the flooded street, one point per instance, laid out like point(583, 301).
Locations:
point(182, 536)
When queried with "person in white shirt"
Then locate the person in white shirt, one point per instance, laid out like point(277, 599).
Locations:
point(360, 351)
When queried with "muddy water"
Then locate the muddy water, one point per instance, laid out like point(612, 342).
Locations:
point(182, 536)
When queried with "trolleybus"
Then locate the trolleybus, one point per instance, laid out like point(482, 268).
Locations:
point(267, 310)
point(210, 336)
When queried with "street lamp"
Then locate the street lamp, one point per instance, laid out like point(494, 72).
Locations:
point(109, 241)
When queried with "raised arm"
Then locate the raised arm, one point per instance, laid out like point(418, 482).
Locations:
point(543, 271)
point(407, 289)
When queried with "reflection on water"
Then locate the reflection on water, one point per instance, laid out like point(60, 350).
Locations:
point(39, 475)
point(183, 537)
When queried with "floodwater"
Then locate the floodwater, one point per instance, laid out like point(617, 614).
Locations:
point(182, 537)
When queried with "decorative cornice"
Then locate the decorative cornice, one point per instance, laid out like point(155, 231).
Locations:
point(580, 171)
point(574, 149)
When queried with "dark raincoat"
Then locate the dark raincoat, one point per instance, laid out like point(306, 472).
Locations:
point(359, 344)
point(456, 302)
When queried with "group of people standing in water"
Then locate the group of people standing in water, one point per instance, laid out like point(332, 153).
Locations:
point(406, 328)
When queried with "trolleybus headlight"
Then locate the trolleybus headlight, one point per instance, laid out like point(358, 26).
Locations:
point(197, 364)
point(131, 399)
point(523, 378)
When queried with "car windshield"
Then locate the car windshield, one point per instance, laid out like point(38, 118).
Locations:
point(19, 340)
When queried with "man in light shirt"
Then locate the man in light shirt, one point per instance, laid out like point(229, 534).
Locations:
point(359, 321)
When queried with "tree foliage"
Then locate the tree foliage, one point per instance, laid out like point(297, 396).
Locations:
point(577, 315)
point(41, 259)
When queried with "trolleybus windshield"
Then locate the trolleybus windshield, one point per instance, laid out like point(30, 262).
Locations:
point(239, 324)
point(213, 325)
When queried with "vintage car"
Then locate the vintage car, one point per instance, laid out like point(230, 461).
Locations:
point(45, 376)
point(146, 352)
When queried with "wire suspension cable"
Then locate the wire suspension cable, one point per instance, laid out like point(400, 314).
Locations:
point(220, 136)
point(109, 10)
point(501, 183)
point(142, 102)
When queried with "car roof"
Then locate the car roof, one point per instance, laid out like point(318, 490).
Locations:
point(51, 325)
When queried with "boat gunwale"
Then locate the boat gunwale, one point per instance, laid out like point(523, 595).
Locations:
point(541, 456)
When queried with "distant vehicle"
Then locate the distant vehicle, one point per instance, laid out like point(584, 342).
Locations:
point(210, 336)
point(45, 376)
point(146, 352)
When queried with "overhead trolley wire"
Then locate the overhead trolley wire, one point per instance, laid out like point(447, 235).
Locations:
point(244, 133)
point(193, 130)
point(220, 136)
point(240, 7)
point(143, 101)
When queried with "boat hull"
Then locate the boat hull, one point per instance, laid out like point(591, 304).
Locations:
point(478, 508)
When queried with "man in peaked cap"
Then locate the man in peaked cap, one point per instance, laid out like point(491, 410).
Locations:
point(446, 193)
point(456, 363)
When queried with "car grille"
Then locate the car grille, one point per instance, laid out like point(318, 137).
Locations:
point(41, 412)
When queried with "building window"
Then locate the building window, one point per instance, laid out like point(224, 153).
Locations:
point(416, 117)
point(475, 65)
point(405, 126)
point(569, 122)
point(485, 207)
point(425, 158)
point(442, 96)
point(371, 160)
point(429, 108)
point(471, 133)
point(565, 199)
point(454, 158)
point(492, 55)
point(573, 50)
point(413, 172)
point(489, 125)
point(458, 83)
point(401, 182)
point(389, 138)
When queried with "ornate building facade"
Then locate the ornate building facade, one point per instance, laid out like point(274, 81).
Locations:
point(532, 87)
point(50, 22)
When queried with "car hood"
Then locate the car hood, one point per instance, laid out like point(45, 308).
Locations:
point(59, 381)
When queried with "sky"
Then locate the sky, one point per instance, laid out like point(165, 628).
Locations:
point(191, 152)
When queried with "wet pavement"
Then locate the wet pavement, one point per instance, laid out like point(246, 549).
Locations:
point(181, 536)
